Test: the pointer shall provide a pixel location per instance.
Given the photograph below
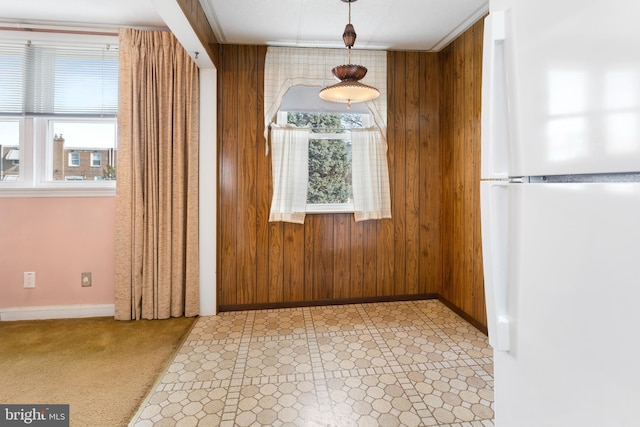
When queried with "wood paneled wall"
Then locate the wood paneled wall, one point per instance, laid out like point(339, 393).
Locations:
point(414, 88)
point(463, 283)
point(330, 257)
point(430, 247)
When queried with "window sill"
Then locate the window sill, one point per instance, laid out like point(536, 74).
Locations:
point(330, 208)
point(59, 191)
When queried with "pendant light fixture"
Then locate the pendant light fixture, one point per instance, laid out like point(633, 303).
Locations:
point(349, 89)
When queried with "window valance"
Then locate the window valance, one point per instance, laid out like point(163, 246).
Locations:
point(286, 67)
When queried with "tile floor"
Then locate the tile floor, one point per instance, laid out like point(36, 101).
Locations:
point(385, 364)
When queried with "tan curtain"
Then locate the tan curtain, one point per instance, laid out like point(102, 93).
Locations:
point(157, 179)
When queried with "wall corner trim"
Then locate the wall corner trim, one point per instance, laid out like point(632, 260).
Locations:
point(57, 312)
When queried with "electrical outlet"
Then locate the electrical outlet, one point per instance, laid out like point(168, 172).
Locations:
point(86, 280)
point(29, 279)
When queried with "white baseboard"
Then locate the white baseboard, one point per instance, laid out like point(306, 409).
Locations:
point(57, 312)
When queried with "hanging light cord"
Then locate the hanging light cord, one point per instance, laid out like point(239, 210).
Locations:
point(349, 47)
point(349, 54)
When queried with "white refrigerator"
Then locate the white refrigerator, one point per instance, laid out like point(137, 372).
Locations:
point(560, 210)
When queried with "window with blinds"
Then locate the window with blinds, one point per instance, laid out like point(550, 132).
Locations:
point(58, 80)
point(58, 109)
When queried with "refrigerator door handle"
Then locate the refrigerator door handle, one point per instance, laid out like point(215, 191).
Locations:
point(495, 238)
point(494, 125)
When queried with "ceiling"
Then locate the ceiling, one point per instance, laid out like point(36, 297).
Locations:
point(424, 25)
point(380, 24)
point(82, 13)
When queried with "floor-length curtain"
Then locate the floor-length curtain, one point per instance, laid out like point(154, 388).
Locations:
point(370, 175)
point(290, 166)
point(157, 178)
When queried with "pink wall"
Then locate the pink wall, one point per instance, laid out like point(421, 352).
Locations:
point(58, 238)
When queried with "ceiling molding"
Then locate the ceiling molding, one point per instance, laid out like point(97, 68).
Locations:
point(214, 23)
point(453, 34)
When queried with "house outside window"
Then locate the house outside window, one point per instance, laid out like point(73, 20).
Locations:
point(93, 141)
point(96, 160)
point(74, 159)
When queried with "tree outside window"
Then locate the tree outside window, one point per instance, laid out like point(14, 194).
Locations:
point(329, 155)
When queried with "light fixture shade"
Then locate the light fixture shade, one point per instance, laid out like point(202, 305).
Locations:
point(349, 72)
point(348, 91)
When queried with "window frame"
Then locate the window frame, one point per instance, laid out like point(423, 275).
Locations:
point(35, 178)
point(36, 168)
point(326, 208)
point(92, 157)
point(330, 207)
point(73, 156)
point(17, 147)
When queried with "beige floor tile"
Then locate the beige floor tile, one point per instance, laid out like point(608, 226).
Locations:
point(386, 364)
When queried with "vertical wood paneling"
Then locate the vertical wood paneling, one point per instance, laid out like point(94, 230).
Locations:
point(463, 283)
point(323, 257)
point(412, 174)
point(432, 141)
point(228, 190)
point(331, 256)
point(246, 178)
point(385, 258)
point(447, 172)
point(263, 191)
point(276, 262)
point(309, 270)
point(399, 169)
point(385, 248)
point(357, 257)
point(431, 180)
point(293, 262)
point(460, 279)
point(341, 256)
point(479, 308)
point(369, 258)
point(471, 185)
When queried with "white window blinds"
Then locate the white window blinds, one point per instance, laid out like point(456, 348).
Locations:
point(58, 80)
point(12, 79)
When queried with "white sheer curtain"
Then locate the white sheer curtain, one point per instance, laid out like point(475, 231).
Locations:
point(289, 161)
point(286, 67)
point(370, 175)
